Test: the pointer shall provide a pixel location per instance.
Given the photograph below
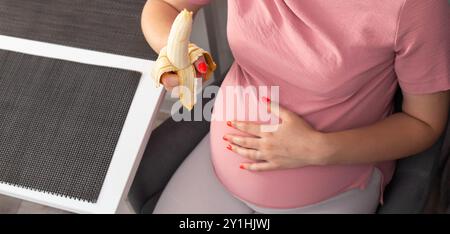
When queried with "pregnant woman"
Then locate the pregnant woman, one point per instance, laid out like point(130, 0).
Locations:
point(337, 65)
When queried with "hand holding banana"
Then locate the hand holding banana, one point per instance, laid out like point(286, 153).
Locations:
point(179, 56)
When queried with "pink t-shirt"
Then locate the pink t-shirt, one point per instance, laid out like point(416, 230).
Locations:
point(337, 65)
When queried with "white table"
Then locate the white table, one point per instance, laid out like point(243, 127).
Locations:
point(132, 140)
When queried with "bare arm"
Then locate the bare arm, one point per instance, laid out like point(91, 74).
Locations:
point(157, 18)
point(409, 132)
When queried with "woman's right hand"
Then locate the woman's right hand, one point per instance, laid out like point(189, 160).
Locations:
point(170, 80)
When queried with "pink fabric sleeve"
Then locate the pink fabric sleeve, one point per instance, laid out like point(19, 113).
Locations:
point(423, 46)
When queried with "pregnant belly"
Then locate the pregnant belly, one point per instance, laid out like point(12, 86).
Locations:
point(280, 188)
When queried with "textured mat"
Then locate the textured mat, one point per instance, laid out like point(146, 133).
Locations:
point(60, 122)
point(104, 25)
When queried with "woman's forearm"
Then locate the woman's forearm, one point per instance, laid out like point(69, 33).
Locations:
point(422, 121)
point(157, 18)
point(398, 136)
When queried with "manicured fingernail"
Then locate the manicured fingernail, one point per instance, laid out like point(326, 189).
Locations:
point(224, 138)
point(229, 147)
point(202, 67)
point(229, 124)
point(266, 99)
point(241, 166)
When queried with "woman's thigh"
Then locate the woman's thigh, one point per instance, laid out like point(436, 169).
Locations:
point(194, 188)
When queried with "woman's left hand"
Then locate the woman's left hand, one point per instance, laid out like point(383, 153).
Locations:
point(293, 144)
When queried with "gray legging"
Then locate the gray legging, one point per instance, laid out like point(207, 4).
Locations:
point(194, 188)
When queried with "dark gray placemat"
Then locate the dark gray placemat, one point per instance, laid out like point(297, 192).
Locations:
point(60, 122)
point(105, 25)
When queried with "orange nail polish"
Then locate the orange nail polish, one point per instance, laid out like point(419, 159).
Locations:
point(229, 147)
point(229, 124)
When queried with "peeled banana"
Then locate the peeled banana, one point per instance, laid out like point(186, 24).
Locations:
point(179, 56)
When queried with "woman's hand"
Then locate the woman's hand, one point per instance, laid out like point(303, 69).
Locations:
point(293, 144)
point(297, 144)
point(171, 80)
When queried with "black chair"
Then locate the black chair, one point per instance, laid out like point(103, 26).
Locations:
point(420, 183)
